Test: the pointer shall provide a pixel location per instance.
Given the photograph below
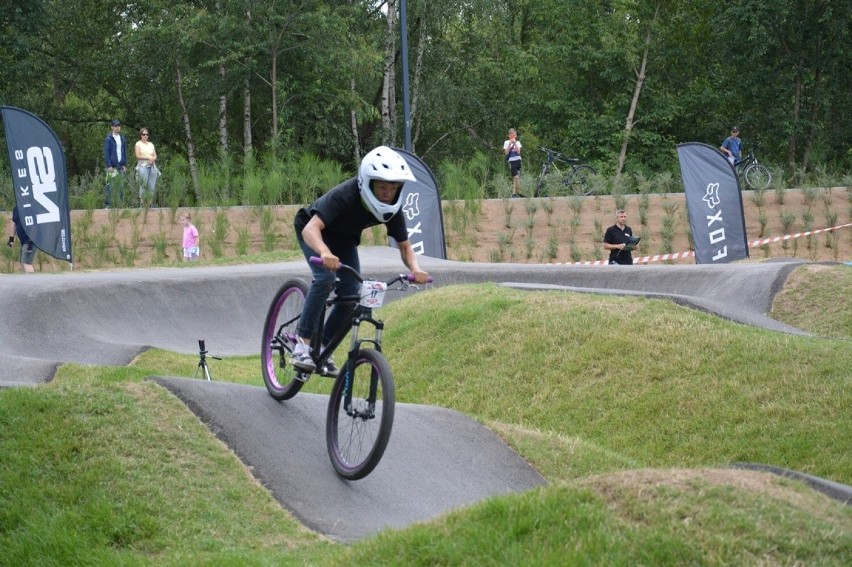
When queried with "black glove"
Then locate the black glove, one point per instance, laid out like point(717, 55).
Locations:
point(11, 241)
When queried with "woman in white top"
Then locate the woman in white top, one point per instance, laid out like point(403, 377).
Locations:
point(146, 167)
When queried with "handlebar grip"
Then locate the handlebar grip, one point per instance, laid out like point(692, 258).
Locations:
point(315, 260)
point(410, 278)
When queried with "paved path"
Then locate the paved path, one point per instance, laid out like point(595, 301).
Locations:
point(111, 317)
point(437, 459)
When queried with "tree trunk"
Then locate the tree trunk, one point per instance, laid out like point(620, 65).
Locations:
point(797, 110)
point(353, 117)
point(815, 113)
point(190, 148)
point(273, 82)
point(223, 114)
point(415, 85)
point(634, 102)
point(247, 141)
point(389, 85)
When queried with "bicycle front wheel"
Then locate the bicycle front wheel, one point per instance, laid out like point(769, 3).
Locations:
point(552, 183)
point(279, 338)
point(360, 415)
point(578, 180)
point(542, 178)
point(758, 176)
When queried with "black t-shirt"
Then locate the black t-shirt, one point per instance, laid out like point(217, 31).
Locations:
point(345, 217)
point(615, 235)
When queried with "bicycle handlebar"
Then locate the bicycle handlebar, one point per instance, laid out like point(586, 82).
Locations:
point(558, 155)
point(317, 261)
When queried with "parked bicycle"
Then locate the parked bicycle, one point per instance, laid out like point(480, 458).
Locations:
point(361, 407)
point(756, 175)
point(561, 176)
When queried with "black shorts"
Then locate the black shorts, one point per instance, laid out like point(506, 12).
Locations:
point(515, 167)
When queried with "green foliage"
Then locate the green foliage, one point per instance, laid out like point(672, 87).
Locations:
point(268, 228)
point(243, 241)
point(221, 227)
point(160, 244)
point(465, 180)
point(563, 82)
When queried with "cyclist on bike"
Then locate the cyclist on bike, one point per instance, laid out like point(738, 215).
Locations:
point(331, 228)
point(732, 147)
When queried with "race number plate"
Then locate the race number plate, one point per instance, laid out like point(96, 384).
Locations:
point(373, 294)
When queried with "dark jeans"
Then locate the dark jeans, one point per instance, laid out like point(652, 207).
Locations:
point(321, 287)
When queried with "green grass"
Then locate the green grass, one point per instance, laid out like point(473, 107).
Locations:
point(816, 297)
point(631, 408)
point(102, 467)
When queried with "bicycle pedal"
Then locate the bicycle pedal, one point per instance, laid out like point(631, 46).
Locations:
point(302, 376)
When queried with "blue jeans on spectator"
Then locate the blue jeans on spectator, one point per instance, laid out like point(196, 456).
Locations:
point(342, 281)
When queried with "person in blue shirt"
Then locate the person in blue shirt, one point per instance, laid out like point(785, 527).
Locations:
point(115, 159)
point(732, 147)
point(28, 247)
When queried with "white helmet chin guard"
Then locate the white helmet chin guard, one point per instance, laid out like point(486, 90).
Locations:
point(382, 164)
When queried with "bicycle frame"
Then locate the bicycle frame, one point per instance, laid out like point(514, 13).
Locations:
point(745, 162)
point(361, 314)
point(554, 158)
point(570, 173)
point(360, 411)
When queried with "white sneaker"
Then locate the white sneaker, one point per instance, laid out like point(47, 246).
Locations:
point(302, 358)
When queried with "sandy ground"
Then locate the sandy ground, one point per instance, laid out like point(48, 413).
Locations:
point(498, 230)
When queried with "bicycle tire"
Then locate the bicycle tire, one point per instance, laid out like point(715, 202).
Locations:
point(757, 176)
point(552, 182)
point(578, 180)
point(279, 332)
point(357, 439)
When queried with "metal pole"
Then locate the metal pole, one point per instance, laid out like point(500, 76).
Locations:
point(406, 111)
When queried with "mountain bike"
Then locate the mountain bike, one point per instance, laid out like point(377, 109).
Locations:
point(561, 176)
point(361, 406)
point(756, 175)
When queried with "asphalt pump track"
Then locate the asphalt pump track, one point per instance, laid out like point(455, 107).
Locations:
point(437, 460)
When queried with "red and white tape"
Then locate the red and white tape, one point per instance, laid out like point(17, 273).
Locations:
point(762, 241)
point(691, 253)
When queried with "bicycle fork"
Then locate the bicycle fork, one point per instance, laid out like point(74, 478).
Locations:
point(368, 411)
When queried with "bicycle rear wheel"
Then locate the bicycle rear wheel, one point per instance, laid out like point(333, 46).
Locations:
point(578, 180)
point(279, 338)
point(360, 415)
point(757, 176)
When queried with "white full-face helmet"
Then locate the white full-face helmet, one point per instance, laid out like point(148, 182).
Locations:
point(382, 164)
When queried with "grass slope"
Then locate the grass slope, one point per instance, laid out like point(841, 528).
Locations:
point(631, 408)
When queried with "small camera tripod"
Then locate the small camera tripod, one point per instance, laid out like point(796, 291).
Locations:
point(202, 360)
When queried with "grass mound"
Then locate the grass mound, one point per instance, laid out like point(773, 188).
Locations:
point(631, 408)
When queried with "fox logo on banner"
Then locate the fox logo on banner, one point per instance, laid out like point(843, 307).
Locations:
point(40, 181)
point(714, 203)
point(421, 207)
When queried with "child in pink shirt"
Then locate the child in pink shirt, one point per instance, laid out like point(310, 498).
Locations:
point(190, 239)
